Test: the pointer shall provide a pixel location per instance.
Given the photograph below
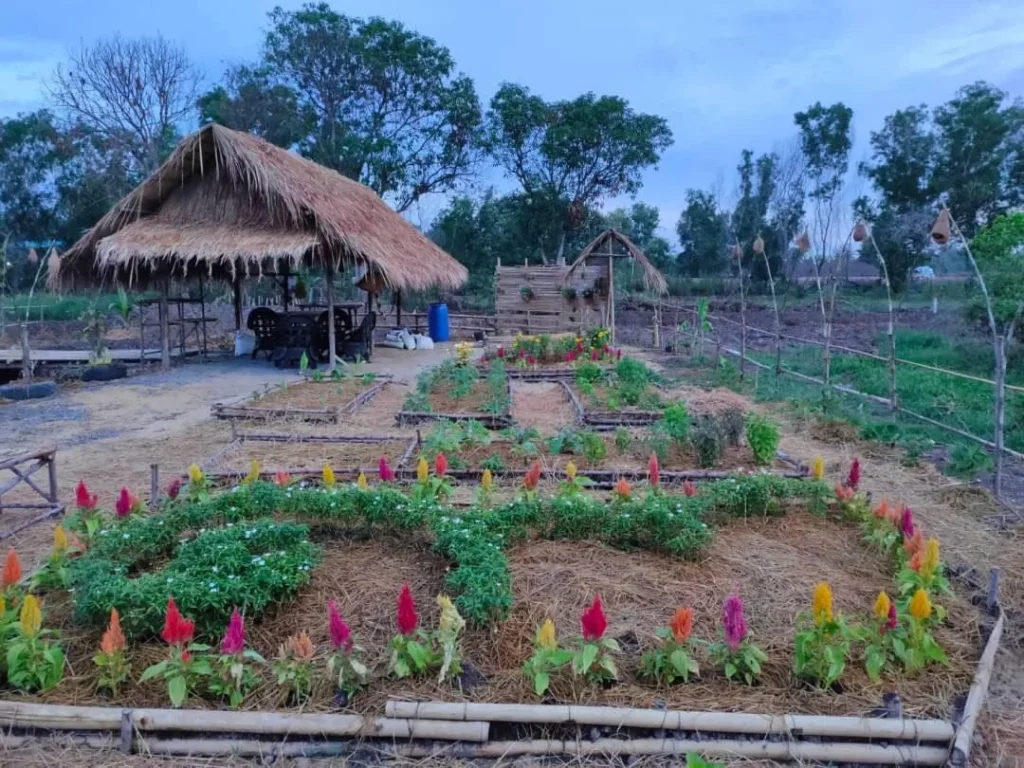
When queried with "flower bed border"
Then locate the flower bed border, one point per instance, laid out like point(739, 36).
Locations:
point(490, 420)
point(243, 412)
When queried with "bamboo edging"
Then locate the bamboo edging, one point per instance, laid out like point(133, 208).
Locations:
point(976, 697)
point(713, 722)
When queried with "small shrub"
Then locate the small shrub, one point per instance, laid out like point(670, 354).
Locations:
point(706, 438)
point(622, 440)
point(675, 422)
point(733, 421)
point(763, 438)
point(967, 460)
point(594, 447)
point(494, 462)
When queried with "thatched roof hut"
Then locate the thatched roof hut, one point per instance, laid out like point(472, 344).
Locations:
point(226, 203)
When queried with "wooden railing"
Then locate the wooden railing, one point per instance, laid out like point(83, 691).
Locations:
point(24, 466)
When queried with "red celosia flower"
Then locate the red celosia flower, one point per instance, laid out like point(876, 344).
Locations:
point(408, 619)
point(893, 622)
point(384, 470)
point(12, 569)
point(234, 636)
point(532, 477)
point(186, 656)
point(653, 470)
point(177, 629)
point(174, 488)
point(853, 480)
point(341, 635)
point(689, 489)
point(125, 504)
point(282, 479)
point(501, 353)
point(531, 360)
point(570, 356)
point(440, 465)
point(593, 621)
point(618, 354)
point(595, 355)
point(83, 498)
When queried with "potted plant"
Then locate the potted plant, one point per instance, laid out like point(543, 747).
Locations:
point(588, 294)
point(101, 367)
point(526, 293)
point(569, 293)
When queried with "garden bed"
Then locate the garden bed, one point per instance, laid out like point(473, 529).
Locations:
point(293, 454)
point(454, 390)
point(310, 400)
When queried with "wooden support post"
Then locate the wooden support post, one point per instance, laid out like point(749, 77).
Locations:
point(26, 355)
point(611, 298)
point(165, 332)
point(237, 301)
point(202, 317)
point(992, 598)
point(154, 485)
point(51, 472)
point(329, 289)
point(657, 326)
point(398, 309)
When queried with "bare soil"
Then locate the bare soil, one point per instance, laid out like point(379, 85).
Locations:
point(307, 456)
point(321, 395)
point(442, 400)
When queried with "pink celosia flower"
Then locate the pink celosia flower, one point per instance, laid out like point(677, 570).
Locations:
point(531, 360)
point(407, 617)
point(853, 480)
point(341, 635)
point(174, 488)
point(501, 353)
point(593, 621)
point(907, 523)
point(84, 499)
point(892, 622)
point(234, 636)
point(384, 470)
point(595, 355)
point(618, 354)
point(734, 623)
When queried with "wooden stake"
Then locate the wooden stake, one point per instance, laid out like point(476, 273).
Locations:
point(26, 355)
point(165, 333)
point(611, 298)
point(154, 484)
point(329, 287)
point(976, 698)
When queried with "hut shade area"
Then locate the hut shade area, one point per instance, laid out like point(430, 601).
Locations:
point(227, 204)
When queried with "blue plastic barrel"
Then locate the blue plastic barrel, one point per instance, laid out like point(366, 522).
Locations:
point(437, 321)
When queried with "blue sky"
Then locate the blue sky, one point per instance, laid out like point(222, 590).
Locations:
point(726, 75)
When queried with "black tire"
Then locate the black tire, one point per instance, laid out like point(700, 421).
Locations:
point(108, 372)
point(32, 391)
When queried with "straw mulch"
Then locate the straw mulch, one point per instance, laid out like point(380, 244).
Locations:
point(313, 394)
point(543, 405)
point(297, 455)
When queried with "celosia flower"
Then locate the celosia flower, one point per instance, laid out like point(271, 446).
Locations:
point(821, 603)
point(254, 473)
point(60, 539)
point(361, 482)
point(734, 623)
point(893, 621)
point(177, 629)
point(681, 624)
point(440, 465)
point(920, 605)
point(895, 515)
point(881, 511)
point(570, 470)
point(818, 468)
point(930, 558)
point(341, 635)
point(622, 488)
point(12, 569)
point(915, 561)
point(300, 646)
point(531, 361)
point(328, 475)
point(3, 606)
point(546, 636)
point(422, 470)
point(125, 504)
point(451, 622)
point(113, 638)
point(384, 471)
point(407, 617)
point(653, 470)
point(593, 621)
point(618, 354)
point(195, 474)
point(31, 617)
point(234, 636)
point(853, 479)
point(487, 480)
point(174, 488)
point(532, 477)
point(844, 493)
point(689, 488)
point(83, 498)
point(501, 353)
point(907, 523)
point(282, 479)
point(882, 606)
point(914, 544)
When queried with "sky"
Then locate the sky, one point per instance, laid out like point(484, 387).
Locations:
point(725, 75)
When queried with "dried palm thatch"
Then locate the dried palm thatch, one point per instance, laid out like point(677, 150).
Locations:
point(653, 279)
point(226, 203)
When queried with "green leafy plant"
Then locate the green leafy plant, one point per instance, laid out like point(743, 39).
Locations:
point(675, 422)
point(822, 646)
point(623, 440)
point(967, 460)
point(494, 462)
point(525, 441)
point(763, 438)
point(123, 305)
point(706, 438)
point(547, 658)
point(187, 661)
point(526, 293)
point(672, 660)
point(913, 644)
point(33, 662)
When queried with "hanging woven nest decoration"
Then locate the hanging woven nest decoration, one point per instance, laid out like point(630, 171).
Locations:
point(758, 244)
point(860, 231)
point(803, 242)
point(942, 232)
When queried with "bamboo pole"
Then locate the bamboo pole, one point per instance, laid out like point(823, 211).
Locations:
point(165, 331)
point(976, 697)
point(801, 751)
point(611, 297)
point(26, 355)
point(716, 722)
point(891, 330)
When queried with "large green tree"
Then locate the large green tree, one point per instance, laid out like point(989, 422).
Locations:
point(703, 233)
point(640, 224)
point(568, 156)
point(825, 141)
point(367, 97)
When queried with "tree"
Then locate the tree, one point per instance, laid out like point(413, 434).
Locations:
point(901, 236)
point(134, 92)
point(825, 141)
point(904, 157)
point(702, 230)
point(367, 97)
point(640, 224)
point(572, 154)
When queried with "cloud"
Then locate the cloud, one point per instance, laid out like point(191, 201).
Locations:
point(24, 66)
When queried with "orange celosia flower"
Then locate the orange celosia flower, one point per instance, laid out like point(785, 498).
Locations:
point(300, 646)
point(12, 569)
point(113, 639)
point(916, 561)
point(532, 477)
point(622, 488)
point(844, 493)
point(914, 544)
point(681, 624)
point(882, 510)
point(282, 479)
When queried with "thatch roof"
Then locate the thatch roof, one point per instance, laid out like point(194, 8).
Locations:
point(613, 243)
point(226, 202)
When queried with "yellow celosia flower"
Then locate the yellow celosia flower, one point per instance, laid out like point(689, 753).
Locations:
point(930, 560)
point(451, 622)
point(328, 474)
point(920, 605)
point(882, 604)
point(254, 473)
point(570, 470)
point(487, 480)
point(818, 468)
point(3, 607)
point(195, 474)
point(361, 482)
point(31, 616)
point(546, 636)
point(60, 539)
point(821, 603)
